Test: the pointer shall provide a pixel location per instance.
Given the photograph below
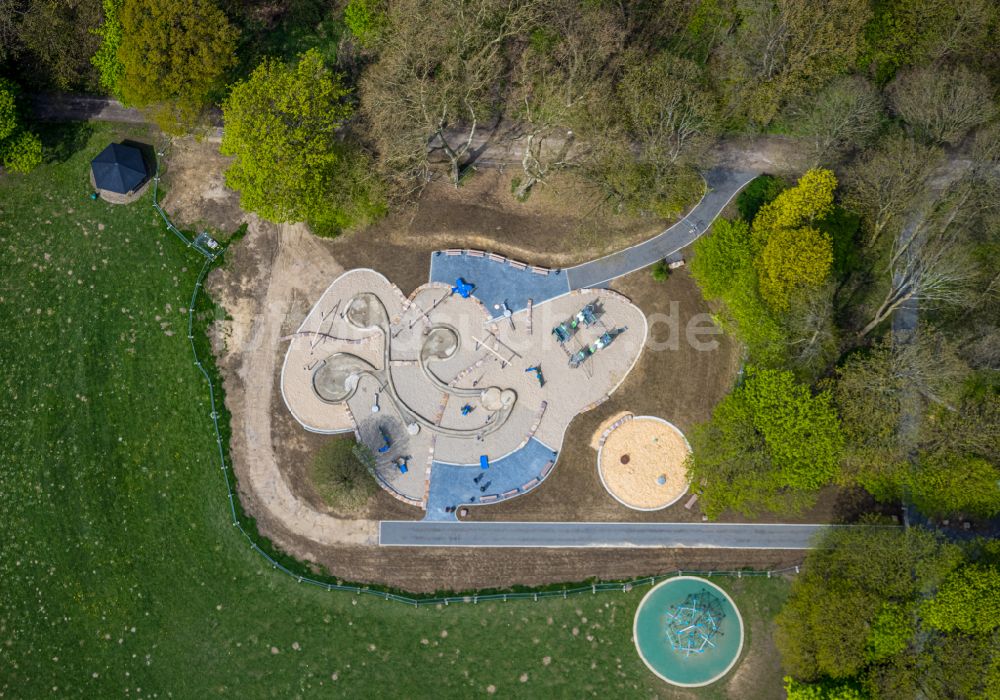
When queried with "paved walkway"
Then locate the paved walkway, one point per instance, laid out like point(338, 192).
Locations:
point(426, 533)
point(723, 185)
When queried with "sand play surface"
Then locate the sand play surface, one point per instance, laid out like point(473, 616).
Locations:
point(642, 463)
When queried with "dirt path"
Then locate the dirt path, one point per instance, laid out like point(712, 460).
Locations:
point(292, 265)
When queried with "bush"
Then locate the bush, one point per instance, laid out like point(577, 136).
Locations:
point(660, 271)
point(342, 474)
point(762, 190)
point(23, 153)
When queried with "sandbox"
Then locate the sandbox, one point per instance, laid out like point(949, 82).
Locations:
point(641, 463)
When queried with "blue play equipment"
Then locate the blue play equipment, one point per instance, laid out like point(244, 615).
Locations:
point(484, 462)
point(403, 466)
point(385, 439)
point(466, 409)
point(462, 288)
point(538, 374)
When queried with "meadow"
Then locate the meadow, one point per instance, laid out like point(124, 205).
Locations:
point(122, 574)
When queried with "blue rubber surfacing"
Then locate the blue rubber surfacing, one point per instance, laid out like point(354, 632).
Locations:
point(454, 485)
point(498, 282)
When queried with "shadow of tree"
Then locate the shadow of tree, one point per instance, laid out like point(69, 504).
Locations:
point(60, 140)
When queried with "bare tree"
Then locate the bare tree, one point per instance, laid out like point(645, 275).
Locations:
point(843, 116)
point(436, 79)
point(943, 104)
point(928, 261)
point(883, 185)
point(560, 78)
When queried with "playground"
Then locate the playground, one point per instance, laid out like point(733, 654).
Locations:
point(640, 460)
point(464, 402)
point(688, 631)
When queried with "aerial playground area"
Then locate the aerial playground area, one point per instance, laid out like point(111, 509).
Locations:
point(462, 393)
point(688, 631)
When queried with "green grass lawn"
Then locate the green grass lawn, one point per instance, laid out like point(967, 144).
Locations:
point(121, 574)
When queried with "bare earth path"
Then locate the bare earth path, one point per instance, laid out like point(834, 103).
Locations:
point(299, 264)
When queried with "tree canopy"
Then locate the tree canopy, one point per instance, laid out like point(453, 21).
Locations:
point(20, 149)
point(895, 613)
point(282, 125)
point(174, 56)
point(770, 444)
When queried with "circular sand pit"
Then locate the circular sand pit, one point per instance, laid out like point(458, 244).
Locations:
point(641, 463)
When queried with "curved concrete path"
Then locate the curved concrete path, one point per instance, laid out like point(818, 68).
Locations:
point(426, 533)
point(722, 185)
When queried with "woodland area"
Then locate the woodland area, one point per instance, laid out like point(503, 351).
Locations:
point(865, 290)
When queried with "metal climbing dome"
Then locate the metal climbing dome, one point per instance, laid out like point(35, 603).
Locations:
point(692, 626)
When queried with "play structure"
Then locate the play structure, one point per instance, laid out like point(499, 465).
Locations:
point(586, 317)
point(688, 631)
point(693, 625)
point(441, 387)
point(588, 351)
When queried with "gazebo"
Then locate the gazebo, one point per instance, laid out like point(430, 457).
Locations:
point(119, 173)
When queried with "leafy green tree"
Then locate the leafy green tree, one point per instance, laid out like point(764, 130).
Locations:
point(784, 49)
point(823, 690)
point(723, 266)
point(792, 263)
point(914, 32)
point(968, 600)
point(106, 60)
point(57, 44)
point(947, 483)
point(809, 200)
point(22, 153)
point(770, 444)
point(367, 20)
point(174, 55)
point(857, 580)
point(20, 149)
point(282, 125)
point(761, 190)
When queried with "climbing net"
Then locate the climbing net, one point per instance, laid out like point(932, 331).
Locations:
point(692, 626)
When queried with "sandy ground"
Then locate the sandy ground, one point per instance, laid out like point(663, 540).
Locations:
point(642, 463)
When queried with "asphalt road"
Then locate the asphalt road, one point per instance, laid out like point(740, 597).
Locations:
point(723, 185)
point(426, 533)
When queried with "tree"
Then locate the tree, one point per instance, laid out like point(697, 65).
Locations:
point(947, 483)
point(781, 50)
point(282, 126)
point(858, 581)
point(770, 444)
point(561, 80)
point(968, 601)
point(174, 55)
point(434, 83)
point(343, 474)
point(55, 32)
point(824, 690)
point(723, 267)
point(106, 60)
point(943, 104)
point(22, 153)
point(20, 149)
point(366, 19)
point(883, 185)
point(809, 200)
point(843, 116)
point(913, 32)
point(792, 263)
point(667, 120)
point(929, 260)
point(870, 390)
